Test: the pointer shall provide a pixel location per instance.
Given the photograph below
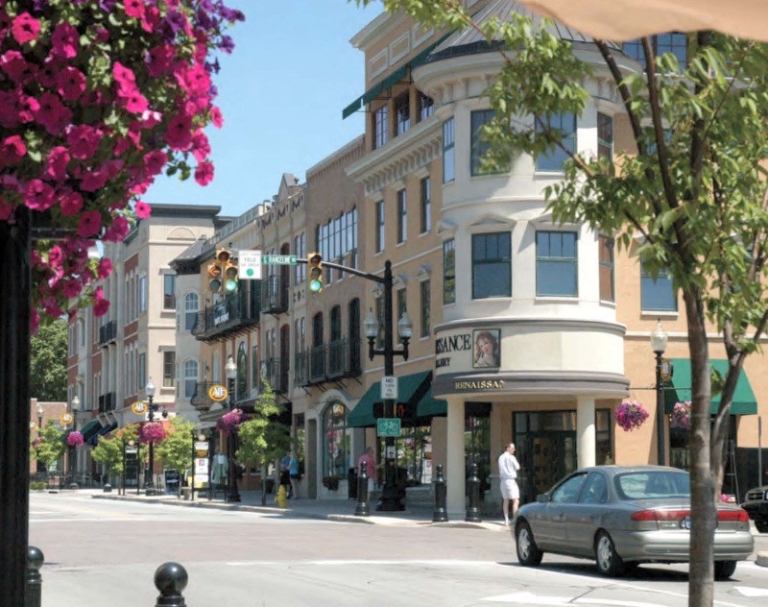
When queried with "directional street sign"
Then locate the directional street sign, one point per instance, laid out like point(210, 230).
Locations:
point(389, 387)
point(388, 426)
point(279, 260)
point(249, 265)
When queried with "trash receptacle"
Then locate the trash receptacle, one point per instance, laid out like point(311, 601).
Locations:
point(352, 484)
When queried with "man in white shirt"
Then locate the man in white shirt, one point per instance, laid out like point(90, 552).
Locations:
point(508, 468)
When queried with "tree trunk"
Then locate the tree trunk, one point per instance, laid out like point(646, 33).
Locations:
point(703, 510)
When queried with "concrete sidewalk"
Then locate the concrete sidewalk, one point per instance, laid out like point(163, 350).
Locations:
point(418, 514)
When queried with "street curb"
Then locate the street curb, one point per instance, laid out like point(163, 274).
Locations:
point(762, 559)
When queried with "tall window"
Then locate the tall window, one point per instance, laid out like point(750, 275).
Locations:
point(142, 371)
point(604, 136)
point(190, 378)
point(657, 295)
point(491, 265)
point(254, 366)
point(380, 226)
point(426, 205)
point(142, 294)
point(169, 291)
point(403, 113)
point(449, 153)
point(478, 144)
point(401, 305)
point(242, 371)
point(565, 124)
point(675, 43)
point(556, 264)
point(169, 369)
point(607, 269)
point(300, 250)
point(402, 216)
point(425, 306)
point(336, 441)
point(449, 271)
point(335, 318)
point(426, 106)
point(380, 127)
point(191, 308)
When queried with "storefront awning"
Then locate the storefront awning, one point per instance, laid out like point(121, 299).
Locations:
point(411, 390)
point(429, 406)
point(678, 389)
point(90, 429)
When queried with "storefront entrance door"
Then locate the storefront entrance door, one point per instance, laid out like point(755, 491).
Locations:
point(547, 458)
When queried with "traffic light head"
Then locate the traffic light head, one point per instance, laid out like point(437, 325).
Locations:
point(222, 273)
point(315, 262)
point(231, 276)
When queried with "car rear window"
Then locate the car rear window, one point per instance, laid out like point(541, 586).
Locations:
point(652, 485)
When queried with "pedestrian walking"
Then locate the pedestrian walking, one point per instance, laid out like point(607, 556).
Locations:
point(508, 468)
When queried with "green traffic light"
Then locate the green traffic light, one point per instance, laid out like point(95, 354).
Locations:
point(315, 286)
point(230, 285)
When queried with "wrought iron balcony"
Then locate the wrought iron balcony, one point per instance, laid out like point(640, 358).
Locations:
point(274, 294)
point(276, 374)
point(230, 315)
point(301, 369)
point(336, 360)
point(107, 402)
point(200, 399)
point(344, 359)
point(317, 365)
point(108, 333)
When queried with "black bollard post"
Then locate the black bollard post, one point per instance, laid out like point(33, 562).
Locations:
point(439, 514)
point(362, 492)
point(171, 579)
point(33, 594)
point(473, 488)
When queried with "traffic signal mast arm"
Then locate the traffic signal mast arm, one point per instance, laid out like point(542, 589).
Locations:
point(345, 269)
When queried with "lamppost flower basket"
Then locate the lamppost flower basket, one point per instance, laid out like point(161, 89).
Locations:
point(230, 422)
point(681, 416)
point(151, 433)
point(75, 439)
point(630, 414)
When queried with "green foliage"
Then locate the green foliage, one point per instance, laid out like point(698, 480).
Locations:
point(109, 453)
point(37, 485)
point(48, 365)
point(176, 449)
point(263, 439)
point(51, 446)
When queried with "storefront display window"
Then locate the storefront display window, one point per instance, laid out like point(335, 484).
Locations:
point(413, 465)
point(336, 441)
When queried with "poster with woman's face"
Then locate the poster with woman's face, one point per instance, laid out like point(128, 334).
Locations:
point(487, 350)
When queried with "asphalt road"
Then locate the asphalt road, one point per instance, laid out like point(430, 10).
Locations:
point(102, 552)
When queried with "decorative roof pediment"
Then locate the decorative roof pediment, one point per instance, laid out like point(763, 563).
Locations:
point(492, 220)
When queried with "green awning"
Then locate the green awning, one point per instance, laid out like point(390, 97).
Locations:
point(90, 429)
point(429, 406)
point(678, 389)
point(411, 389)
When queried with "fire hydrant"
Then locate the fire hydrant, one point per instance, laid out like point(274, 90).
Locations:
point(281, 498)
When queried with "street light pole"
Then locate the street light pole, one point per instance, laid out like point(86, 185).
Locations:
point(659, 345)
point(40, 412)
point(72, 449)
point(233, 494)
point(390, 496)
point(149, 483)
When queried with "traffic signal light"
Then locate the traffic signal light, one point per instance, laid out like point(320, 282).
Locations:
point(222, 273)
point(315, 261)
point(379, 411)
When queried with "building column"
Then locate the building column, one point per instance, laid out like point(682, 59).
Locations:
point(585, 431)
point(454, 469)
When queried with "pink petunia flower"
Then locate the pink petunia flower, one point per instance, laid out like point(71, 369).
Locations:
point(25, 28)
point(216, 117)
point(142, 210)
point(154, 162)
point(84, 141)
point(90, 224)
point(71, 288)
point(52, 114)
point(12, 150)
point(39, 196)
point(104, 269)
point(159, 60)
point(100, 307)
point(178, 135)
point(55, 256)
point(58, 159)
point(134, 8)
point(204, 173)
point(70, 83)
point(65, 41)
point(134, 101)
point(124, 76)
point(201, 148)
point(71, 203)
point(13, 63)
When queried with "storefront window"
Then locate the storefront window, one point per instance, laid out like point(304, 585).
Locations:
point(413, 462)
point(336, 441)
point(477, 442)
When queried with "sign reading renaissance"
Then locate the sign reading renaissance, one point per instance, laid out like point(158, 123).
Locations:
point(466, 350)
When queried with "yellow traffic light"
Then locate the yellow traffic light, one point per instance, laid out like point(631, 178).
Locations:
point(315, 262)
point(217, 271)
point(231, 277)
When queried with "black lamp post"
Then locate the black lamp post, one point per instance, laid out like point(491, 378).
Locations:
point(233, 494)
point(40, 412)
point(72, 449)
point(149, 480)
point(390, 496)
point(659, 344)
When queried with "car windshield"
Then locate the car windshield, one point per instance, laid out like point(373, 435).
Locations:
point(652, 484)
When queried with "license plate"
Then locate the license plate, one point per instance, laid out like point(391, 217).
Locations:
point(686, 523)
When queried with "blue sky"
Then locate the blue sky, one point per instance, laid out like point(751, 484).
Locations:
point(281, 92)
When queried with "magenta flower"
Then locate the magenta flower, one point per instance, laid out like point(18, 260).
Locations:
point(12, 150)
point(681, 415)
point(630, 414)
point(104, 269)
point(204, 173)
point(39, 196)
point(75, 439)
point(143, 210)
point(230, 422)
point(70, 83)
point(83, 141)
point(151, 432)
point(25, 28)
point(64, 41)
point(71, 203)
point(90, 224)
point(178, 135)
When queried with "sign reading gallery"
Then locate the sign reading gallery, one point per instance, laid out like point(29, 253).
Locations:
point(478, 349)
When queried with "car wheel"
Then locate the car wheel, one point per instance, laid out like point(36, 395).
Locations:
point(762, 525)
point(724, 569)
point(609, 563)
point(528, 552)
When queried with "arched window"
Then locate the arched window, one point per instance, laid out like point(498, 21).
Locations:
point(336, 441)
point(190, 378)
point(191, 307)
point(242, 372)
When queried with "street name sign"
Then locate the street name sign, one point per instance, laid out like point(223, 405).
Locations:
point(249, 265)
point(388, 426)
point(389, 387)
point(280, 260)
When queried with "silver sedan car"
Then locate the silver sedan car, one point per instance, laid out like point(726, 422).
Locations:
point(622, 516)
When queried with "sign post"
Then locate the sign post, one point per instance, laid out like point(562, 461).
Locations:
point(388, 427)
point(389, 387)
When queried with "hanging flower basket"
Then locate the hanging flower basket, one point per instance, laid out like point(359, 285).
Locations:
point(152, 432)
point(681, 416)
point(75, 439)
point(630, 414)
point(230, 422)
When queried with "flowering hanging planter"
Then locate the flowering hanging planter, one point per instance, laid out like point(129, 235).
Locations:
point(230, 422)
point(630, 414)
point(75, 439)
point(152, 432)
point(681, 416)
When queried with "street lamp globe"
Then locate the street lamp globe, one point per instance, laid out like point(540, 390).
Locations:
point(150, 388)
point(231, 368)
point(75, 403)
point(40, 412)
point(659, 339)
point(370, 325)
point(405, 326)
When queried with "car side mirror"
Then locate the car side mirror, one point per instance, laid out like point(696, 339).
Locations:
point(542, 498)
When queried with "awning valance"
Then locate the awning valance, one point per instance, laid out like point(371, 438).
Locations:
point(678, 389)
point(412, 389)
point(90, 429)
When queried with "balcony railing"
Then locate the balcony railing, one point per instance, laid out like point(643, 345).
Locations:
point(301, 369)
point(200, 399)
point(336, 360)
point(276, 374)
point(108, 333)
point(229, 315)
point(107, 402)
point(274, 295)
point(317, 374)
point(344, 359)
